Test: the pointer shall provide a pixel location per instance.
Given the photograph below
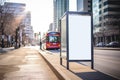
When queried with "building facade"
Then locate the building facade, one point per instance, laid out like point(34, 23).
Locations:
point(28, 29)
point(51, 27)
point(60, 7)
point(84, 5)
point(106, 20)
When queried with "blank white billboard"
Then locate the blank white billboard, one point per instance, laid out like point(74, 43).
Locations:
point(79, 37)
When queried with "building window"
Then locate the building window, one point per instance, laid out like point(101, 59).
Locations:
point(105, 3)
point(114, 9)
point(114, 2)
point(89, 10)
point(100, 6)
point(89, 1)
point(106, 9)
point(104, 24)
point(99, 25)
point(100, 18)
point(100, 12)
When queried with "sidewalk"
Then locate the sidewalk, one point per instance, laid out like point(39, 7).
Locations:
point(24, 64)
point(77, 71)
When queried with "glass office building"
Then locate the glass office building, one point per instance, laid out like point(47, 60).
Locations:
point(84, 5)
point(60, 7)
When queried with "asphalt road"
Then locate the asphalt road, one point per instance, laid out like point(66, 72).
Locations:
point(107, 61)
point(24, 64)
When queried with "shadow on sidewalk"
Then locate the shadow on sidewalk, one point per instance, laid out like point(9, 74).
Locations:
point(94, 76)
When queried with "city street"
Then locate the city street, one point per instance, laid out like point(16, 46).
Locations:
point(106, 60)
point(24, 64)
point(60, 40)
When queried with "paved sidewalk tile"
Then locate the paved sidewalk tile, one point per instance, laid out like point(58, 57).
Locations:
point(24, 64)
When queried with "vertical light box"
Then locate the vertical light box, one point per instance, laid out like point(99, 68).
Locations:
point(76, 36)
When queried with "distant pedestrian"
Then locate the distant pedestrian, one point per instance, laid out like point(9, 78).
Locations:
point(40, 45)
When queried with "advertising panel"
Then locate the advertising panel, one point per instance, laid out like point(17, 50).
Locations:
point(79, 33)
point(76, 37)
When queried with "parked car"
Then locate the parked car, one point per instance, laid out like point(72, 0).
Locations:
point(100, 44)
point(113, 44)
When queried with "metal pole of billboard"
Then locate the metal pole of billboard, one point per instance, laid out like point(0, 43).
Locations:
point(92, 53)
point(67, 28)
point(60, 56)
point(60, 59)
point(60, 44)
point(67, 64)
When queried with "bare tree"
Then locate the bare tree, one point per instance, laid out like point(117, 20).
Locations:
point(10, 20)
point(1, 23)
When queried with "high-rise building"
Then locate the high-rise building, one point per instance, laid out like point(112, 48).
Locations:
point(51, 27)
point(106, 18)
point(16, 8)
point(60, 7)
point(28, 29)
point(84, 5)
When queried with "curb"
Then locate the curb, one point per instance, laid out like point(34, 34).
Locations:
point(53, 69)
point(104, 48)
point(59, 71)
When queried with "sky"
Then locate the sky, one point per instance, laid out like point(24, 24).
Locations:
point(41, 13)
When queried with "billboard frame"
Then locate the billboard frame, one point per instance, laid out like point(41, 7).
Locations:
point(66, 15)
